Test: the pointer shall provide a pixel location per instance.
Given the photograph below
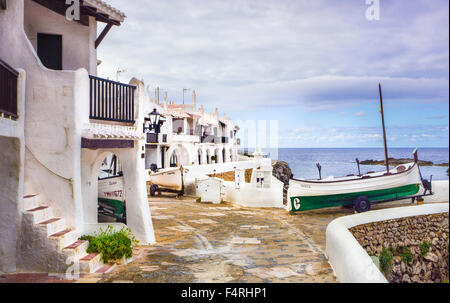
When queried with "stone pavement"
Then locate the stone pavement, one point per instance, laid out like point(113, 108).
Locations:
point(226, 243)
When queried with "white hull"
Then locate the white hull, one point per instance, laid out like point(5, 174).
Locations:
point(365, 183)
point(111, 189)
point(170, 178)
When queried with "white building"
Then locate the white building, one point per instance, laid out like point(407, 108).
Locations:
point(58, 122)
point(191, 136)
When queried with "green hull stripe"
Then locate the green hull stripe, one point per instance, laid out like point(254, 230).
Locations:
point(316, 202)
point(116, 205)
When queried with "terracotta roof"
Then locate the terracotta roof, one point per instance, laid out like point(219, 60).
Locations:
point(105, 131)
point(177, 113)
point(106, 8)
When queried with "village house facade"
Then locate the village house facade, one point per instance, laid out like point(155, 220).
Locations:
point(58, 122)
point(189, 135)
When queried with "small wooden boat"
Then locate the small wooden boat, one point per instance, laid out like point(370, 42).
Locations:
point(404, 181)
point(111, 194)
point(359, 191)
point(167, 180)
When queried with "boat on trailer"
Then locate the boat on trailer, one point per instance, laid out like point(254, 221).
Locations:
point(403, 182)
point(168, 180)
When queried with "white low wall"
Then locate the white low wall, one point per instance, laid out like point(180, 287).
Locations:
point(250, 196)
point(349, 260)
point(199, 171)
point(440, 192)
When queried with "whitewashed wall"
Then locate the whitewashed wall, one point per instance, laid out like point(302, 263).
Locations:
point(78, 41)
point(349, 260)
point(12, 157)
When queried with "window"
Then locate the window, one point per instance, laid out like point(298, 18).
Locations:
point(49, 49)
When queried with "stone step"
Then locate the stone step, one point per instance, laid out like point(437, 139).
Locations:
point(40, 214)
point(91, 263)
point(64, 238)
point(105, 269)
point(53, 225)
point(31, 201)
point(77, 249)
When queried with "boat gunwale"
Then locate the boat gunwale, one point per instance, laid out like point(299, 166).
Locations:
point(357, 179)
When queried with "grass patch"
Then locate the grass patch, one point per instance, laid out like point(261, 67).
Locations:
point(113, 245)
point(386, 257)
point(405, 254)
point(424, 248)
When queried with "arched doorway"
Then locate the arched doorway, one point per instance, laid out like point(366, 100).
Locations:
point(111, 191)
point(231, 155)
point(174, 159)
point(216, 156)
point(199, 153)
point(224, 156)
point(208, 157)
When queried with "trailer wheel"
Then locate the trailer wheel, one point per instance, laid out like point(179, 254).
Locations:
point(153, 190)
point(362, 204)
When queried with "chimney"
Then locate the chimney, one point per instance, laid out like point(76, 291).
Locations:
point(194, 98)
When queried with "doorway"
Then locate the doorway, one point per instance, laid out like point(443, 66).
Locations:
point(49, 50)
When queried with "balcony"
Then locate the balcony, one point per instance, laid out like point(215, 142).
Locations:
point(111, 101)
point(185, 138)
point(156, 138)
point(210, 139)
point(8, 90)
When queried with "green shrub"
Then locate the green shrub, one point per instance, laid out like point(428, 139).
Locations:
point(112, 245)
point(424, 248)
point(386, 257)
point(405, 254)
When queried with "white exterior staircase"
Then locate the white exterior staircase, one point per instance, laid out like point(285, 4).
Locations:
point(62, 239)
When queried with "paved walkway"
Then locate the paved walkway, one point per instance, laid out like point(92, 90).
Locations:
point(227, 243)
point(224, 243)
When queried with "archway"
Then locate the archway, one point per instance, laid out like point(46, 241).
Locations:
point(216, 156)
point(224, 157)
point(200, 154)
point(178, 155)
point(174, 159)
point(231, 155)
point(208, 157)
point(111, 191)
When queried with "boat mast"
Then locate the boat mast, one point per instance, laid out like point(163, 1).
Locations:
point(384, 130)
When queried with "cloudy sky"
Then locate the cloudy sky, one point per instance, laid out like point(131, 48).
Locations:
point(312, 65)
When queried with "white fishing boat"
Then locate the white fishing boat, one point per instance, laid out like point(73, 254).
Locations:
point(166, 180)
point(111, 192)
point(401, 182)
point(404, 181)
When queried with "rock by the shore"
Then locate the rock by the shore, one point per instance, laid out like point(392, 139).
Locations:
point(396, 162)
point(283, 172)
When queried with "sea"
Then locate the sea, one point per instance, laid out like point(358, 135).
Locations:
point(342, 161)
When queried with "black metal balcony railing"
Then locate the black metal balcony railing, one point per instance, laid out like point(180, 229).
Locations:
point(8, 89)
point(111, 101)
point(225, 140)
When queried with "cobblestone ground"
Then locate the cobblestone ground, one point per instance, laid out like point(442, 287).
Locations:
point(227, 243)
